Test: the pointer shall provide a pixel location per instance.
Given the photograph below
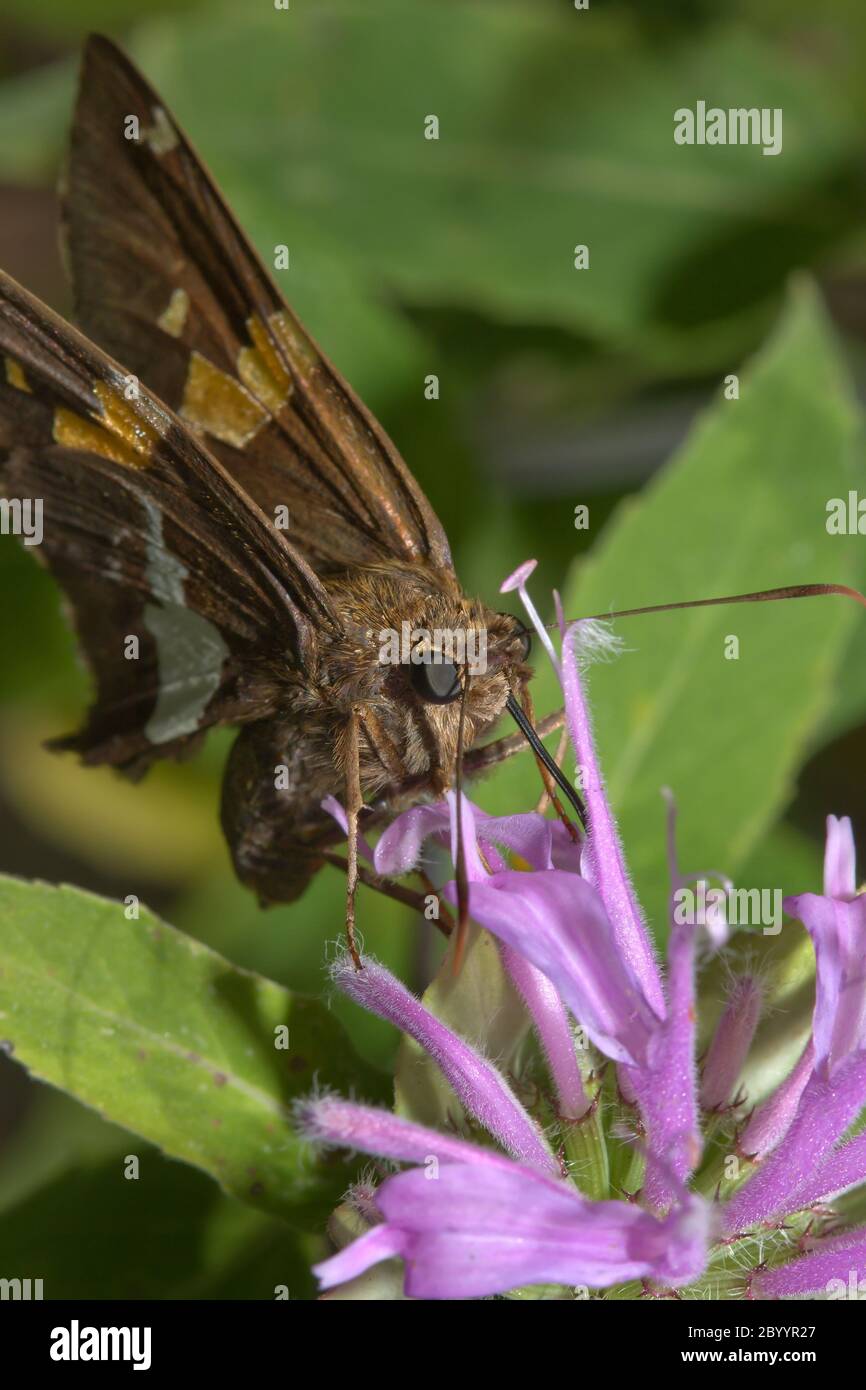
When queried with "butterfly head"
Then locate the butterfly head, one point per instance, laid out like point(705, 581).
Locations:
point(415, 650)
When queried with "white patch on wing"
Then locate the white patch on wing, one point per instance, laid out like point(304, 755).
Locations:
point(161, 136)
point(190, 650)
point(174, 315)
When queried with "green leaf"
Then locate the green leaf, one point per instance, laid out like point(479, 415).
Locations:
point(487, 216)
point(44, 103)
point(288, 941)
point(554, 131)
point(168, 1039)
point(848, 708)
point(741, 507)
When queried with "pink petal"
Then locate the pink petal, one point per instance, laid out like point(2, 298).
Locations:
point(840, 859)
point(827, 1107)
point(731, 1042)
point(667, 1085)
point(380, 1243)
point(845, 1167)
point(332, 1120)
point(603, 860)
point(554, 1031)
point(836, 1271)
point(770, 1121)
point(480, 1088)
point(556, 921)
point(838, 931)
point(472, 1233)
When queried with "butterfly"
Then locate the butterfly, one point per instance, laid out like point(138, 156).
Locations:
point(234, 532)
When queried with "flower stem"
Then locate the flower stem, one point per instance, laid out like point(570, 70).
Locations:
point(585, 1151)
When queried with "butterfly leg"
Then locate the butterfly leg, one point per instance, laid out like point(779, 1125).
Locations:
point(549, 789)
point(558, 758)
point(302, 823)
point(396, 891)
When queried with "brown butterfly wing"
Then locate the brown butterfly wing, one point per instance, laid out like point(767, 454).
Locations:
point(165, 281)
point(152, 540)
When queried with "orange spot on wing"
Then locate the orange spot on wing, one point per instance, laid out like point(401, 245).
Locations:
point(220, 405)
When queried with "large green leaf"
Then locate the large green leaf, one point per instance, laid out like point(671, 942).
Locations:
point(741, 507)
point(167, 1038)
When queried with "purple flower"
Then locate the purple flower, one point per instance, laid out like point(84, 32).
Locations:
point(469, 1220)
point(836, 1268)
point(481, 1089)
point(826, 1109)
point(731, 1042)
point(836, 923)
point(827, 1090)
point(557, 921)
point(773, 1117)
point(473, 1230)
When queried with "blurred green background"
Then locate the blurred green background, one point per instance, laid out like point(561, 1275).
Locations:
point(558, 387)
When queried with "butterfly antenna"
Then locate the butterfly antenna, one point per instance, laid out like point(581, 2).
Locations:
point(759, 596)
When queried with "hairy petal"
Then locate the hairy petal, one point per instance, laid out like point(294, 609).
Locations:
point(845, 1167)
point(827, 1107)
point(667, 1087)
point(543, 843)
point(332, 1120)
point(475, 1232)
point(557, 922)
point(554, 1031)
point(480, 1088)
point(838, 931)
point(771, 1119)
point(731, 1042)
point(603, 860)
point(835, 1269)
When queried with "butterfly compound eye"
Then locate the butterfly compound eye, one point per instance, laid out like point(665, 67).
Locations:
point(436, 682)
